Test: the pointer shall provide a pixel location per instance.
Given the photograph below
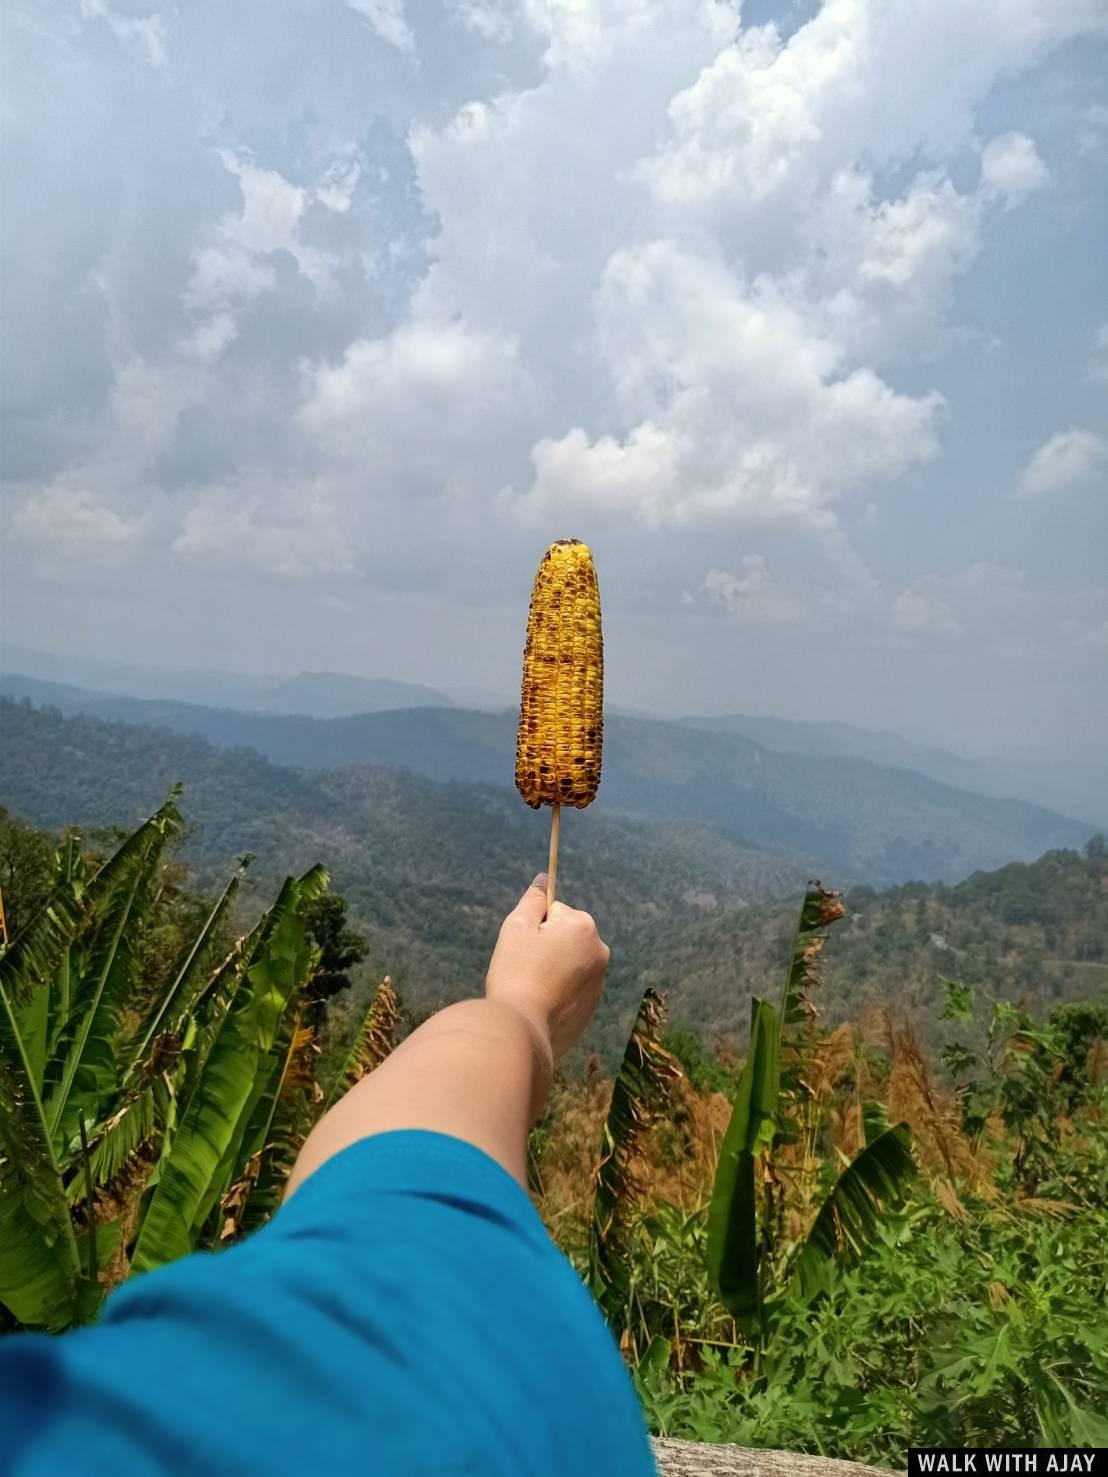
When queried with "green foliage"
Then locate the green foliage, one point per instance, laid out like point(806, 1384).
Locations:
point(133, 1076)
point(736, 1268)
point(850, 1219)
point(201, 1161)
point(429, 867)
point(976, 1331)
point(700, 1067)
point(338, 945)
point(775, 1110)
point(26, 871)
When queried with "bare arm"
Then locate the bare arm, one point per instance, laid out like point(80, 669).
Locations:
point(480, 1070)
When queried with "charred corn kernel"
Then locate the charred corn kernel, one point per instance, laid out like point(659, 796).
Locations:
point(561, 715)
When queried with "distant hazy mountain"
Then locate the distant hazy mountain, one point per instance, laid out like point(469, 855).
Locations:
point(316, 694)
point(336, 695)
point(1075, 784)
point(133, 679)
point(850, 818)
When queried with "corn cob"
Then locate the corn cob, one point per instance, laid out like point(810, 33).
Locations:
point(561, 717)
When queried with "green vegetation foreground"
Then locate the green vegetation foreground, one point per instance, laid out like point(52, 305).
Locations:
point(760, 1238)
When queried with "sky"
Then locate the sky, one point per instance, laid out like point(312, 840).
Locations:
point(322, 319)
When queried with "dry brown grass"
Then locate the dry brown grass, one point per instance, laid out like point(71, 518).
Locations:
point(914, 1098)
point(679, 1155)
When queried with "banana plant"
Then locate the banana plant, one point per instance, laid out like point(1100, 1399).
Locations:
point(122, 1131)
point(57, 1006)
point(751, 1265)
point(639, 1097)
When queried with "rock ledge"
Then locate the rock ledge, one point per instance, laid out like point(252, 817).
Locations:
point(694, 1459)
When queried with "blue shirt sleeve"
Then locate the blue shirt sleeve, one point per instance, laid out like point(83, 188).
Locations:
point(404, 1313)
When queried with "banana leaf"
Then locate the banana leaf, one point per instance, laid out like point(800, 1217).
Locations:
point(168, 1011)
point(70, 874)
point(732, 1256)
point(83, 1074)
point(216, 1118)
point(848, 1221)
point(38, 1253)
point(281, 1120)
point(819, 910)
point(28, 964)
point(371, 1045)
point(638, 1097)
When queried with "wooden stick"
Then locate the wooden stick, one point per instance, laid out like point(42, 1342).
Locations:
point(552, 864)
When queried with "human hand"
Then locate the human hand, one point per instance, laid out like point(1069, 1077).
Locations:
point(551, 971)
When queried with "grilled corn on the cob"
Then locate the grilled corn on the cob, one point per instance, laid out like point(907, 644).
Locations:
point(561, 718)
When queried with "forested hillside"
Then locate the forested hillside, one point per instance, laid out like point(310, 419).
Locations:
point(845, 815)
point(1034, 932)
point(430, 867)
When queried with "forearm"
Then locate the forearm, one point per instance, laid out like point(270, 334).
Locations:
point(479, 1071)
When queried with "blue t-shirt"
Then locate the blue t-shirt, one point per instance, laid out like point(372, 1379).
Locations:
point(405, 1313)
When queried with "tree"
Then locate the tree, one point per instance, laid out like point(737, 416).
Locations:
point(26, 868)
point(340, 947)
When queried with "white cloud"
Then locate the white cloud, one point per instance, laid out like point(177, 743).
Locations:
point(738, 406)
point(738, 327)
point(340, 180)
point(751, 595)
point(61, 524)
point(768, 119)
point(234, 266)
point(495, 20)
point(209, 337)
point(148, 32)
point(635, 265)
point(387, 19)
point(429, 401)
point(915, 609)
point(1068, 459)
point(271, 206)
point(1012, 167)
point(286, 530)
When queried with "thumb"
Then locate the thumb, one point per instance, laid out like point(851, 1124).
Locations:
point(532, 905)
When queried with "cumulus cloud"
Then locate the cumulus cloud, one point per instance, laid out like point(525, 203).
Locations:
point(147, 33)
point(750, 595)
point(483, 270)
point(424, 405)
point(386, 18)
point(915, 609)
point(63, 524)
point(1012, 167)
point(737, 405)
point(288, 531)
point(1068, 459)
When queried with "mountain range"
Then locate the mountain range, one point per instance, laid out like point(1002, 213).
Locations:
point(430, 866)
point(1076, 784)
point(842, 815)
point(321, 694)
